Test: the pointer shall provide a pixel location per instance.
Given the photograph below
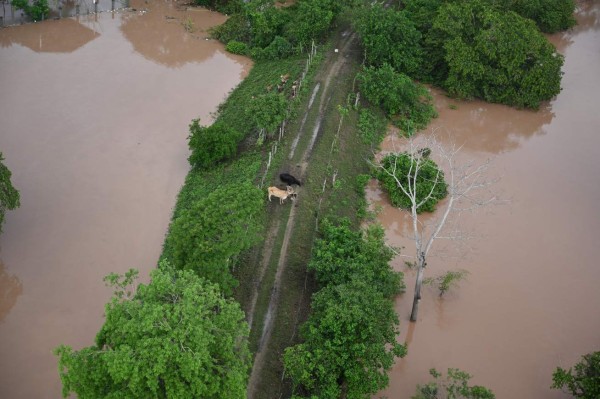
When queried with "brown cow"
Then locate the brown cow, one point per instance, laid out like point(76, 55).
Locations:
point(279, 193)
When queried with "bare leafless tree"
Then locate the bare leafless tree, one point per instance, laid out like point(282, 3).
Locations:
point(468, 187)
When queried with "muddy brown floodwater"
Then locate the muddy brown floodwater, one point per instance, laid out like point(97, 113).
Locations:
point(94, 119)
point(531, 300)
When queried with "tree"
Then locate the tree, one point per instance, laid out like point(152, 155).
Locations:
point(388, 36)
point(549, 15)
point(466, 187)
point(211, 144)
point(406, 102)
point(177, 337)
point(208, 237)
point(422, 175)
point(9, 196)
point(267, 112)
point(453, 386)
point(350, 337)
point(478, 51)
point(584, 382)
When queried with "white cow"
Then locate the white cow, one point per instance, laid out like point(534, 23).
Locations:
point(279, 193)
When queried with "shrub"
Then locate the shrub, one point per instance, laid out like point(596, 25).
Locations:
point(371, 127)
point(267, 111)
point(454, 385)
point(406, 102)
point(478, 51)
point(584, 382)
point(211, 144)
point(549, 15)
point(223, 6)
point(279, 48)
point(388, 36)
point(37, 11)
point(9, 196)
point(236, 47)
point(429, 181)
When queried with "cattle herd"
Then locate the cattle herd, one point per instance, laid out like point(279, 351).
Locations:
point(289, 191)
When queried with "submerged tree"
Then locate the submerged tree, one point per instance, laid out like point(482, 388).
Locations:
point(467, 190)
point(584, 381)
point(177, 337)
point(454, 386)
point(9, 196)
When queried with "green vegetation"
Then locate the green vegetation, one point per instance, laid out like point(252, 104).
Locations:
point(390, 37)
point(447, 280)
point(398, 179)
point(477, 51)
point(236, 47)
point(549, 15)
point(454, 385)
point(208, 237)
point(371, 126)
point(584, 381)
point(9, 196)
point(37, 10)
point(350, 337)
point(267, 112)
point(176, 337)
point(407, 103)
point(211, 144)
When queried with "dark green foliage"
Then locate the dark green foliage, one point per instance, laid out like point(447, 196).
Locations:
point(422, 13)
point(478, 51)
point(388, 36)
point(223, 6)
point(211, 144)
point(37, 10)
point(430, 184)
point(236, 47)
point(311, 20)
point(176, 337)
point(371, 127)
point(454, 385)
point(209, 235)
point(278, 49)
point(236, 28)
point(342, 254)
point(408, 103)
point(549, 15)
point(267, 111)
point(584, 381)
point(9, 196)
point(350, 337)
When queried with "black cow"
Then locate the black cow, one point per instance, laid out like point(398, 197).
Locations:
point(289, 179)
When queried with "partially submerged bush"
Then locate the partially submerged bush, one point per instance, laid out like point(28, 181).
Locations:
point(584, 381)
point(430, 185)
point(236, 47)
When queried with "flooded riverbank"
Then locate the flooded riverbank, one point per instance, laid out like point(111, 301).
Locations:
point(530, 301)
point(95, 115)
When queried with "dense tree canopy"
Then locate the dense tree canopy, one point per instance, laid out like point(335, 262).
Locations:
point(209, 235)
point(409, 104)
point(176, 337)
point(402, 172)
point(211, 144)
point(350, 337)
point(584, 381)
point(477, 51)
point(388, 36)
point(9, 196)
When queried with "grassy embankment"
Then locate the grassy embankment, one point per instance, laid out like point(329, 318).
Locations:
point(345, 158)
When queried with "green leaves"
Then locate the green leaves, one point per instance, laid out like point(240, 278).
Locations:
point(177, 337)
point(350, 337)
point(454, 385)
point(398, 179)
point(584, 381)
point(497, 56)
point(267, 111)
point(9, 196)
point(408, 103)
point(211, 144)
point(209, 235)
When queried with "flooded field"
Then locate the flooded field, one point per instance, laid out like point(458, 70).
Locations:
point(530, 302)
point(95, 113)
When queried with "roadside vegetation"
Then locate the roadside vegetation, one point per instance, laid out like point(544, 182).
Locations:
point(224, 250)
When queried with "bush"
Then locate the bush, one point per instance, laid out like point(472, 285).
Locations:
point(267, 111)
point(37, 11)
point(236, 28)
point(429, 181)
point(549, 15)
point(211, 144)
point(406, 102)
point(454, 385)
point(388, 36)
point(9, 196)
point(236, 47)
point(371, 127)
point(208, 236)
point(478, 51)
point(278, 49)
point(584, 382)
point(223, 6)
